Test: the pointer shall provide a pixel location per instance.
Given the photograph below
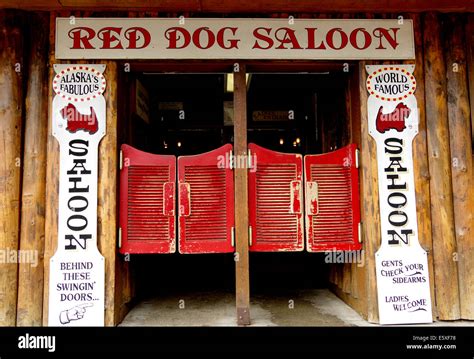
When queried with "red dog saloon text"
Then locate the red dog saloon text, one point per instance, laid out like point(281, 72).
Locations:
point(264, 38)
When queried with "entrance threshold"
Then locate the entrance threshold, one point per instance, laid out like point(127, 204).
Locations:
point(315, 307)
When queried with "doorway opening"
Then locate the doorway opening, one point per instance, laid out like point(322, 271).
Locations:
point(303, 113)
point(179, 115)
point(185, 114)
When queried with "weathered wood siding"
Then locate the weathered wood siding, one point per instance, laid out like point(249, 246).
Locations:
point(443, 162)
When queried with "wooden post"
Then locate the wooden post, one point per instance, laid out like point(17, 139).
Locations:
point(30, 278)
point(420, 159)
point(470, 59)
point(358, 276)
point(52, 179)
point(242, 287)
point(11, 107)
point(357, 281)
point(370, 215)
point(461, 159)
point(442, 211)
point(107, 191)
point(123, 273)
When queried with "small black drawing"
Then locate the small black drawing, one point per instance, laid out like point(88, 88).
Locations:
point(74, 313)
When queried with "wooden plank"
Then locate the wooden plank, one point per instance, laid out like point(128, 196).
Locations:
point(217, 6)
point(30, 277)
point(242, 287)
point(358, 279)
point(345, 139)
point(420, 159)
point(123, 294)
point(11, 108)
point(461, 158)
point(52, 178)
point(442, 211)
point(370, 214)
point(470, 59)
point(107, 191)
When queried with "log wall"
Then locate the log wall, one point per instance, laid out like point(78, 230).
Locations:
point(443, 161)
point(30, 275)
point(11, 123)
point(461, 159)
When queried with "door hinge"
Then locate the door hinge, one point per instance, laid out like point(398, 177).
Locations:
point(231, 159)
point(120, 237)
point(232, 236)
point(120, 160)
point(359, 230)
point(357, 158)
point(250, 236)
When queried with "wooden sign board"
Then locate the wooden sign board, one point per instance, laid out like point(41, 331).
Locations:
point(77, 269)
point(401, 263)
point(194, 38)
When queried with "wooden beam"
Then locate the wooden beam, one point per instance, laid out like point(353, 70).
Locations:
point(442, 211)
point(461, 158)
point(370, 214)
point(123, 272)
point(470, 59)
point(107, 191)
point(420, 159)
point(248, 6)
point(11, 108)
point(242, 287)
point(52, 179)
point(30, 277)
point(358, 295)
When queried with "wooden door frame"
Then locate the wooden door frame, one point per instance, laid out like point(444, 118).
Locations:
point(240, 69)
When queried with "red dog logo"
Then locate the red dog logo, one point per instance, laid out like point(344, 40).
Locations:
point(393, 120)
point(77, 121)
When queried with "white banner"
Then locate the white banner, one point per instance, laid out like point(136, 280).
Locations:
point(230, 38)
point(76, 278)
point(401, 264)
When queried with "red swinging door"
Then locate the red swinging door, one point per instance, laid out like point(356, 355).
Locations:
point(206, 202)
point(275, 200)
point(332, 203)
point(147, 202)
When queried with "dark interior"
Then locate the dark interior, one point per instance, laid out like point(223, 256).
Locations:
point(295, 113)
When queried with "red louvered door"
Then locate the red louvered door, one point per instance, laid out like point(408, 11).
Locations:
point(147, 202)
point(332, 200)
point(206, 202)
point(275, 201)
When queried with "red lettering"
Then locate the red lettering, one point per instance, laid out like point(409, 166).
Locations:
point(81, 35)
point(330, 38)
point(232, 43)
point(197, 38)
point(107, 37)
point(263, 37)
point(287, 38)
point(311, 32)
point(173, 35)
point(380, 33)
point(367, 38)
point(133, 36)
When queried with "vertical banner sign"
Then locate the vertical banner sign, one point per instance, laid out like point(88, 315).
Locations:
point(401, 264)
point(76, 279)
